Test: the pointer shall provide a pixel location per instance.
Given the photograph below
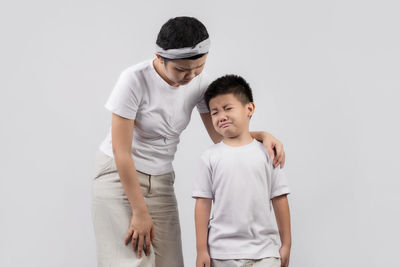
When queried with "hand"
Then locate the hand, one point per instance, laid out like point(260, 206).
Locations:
point(141, 231)
point(274, 149)
point(284, 251)
point(203, 259)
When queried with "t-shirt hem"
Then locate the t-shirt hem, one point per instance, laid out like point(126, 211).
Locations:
point(250, 256)
point(142, 167)
point(102, 149)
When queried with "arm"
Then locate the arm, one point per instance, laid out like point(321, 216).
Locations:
point(273, 146)
point(202, 215)
point(141, 226)
point(214, 135)
point(282, 214)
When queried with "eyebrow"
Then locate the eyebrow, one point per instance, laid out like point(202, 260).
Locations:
point(191, 68)
point(222, 106)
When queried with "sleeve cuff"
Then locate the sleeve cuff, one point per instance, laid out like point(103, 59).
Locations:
point(124, 114)
point(202, 110)
point(281, 192)
point(197, 194)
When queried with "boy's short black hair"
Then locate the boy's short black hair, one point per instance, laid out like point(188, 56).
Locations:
point(229, 84)
point(182, 32)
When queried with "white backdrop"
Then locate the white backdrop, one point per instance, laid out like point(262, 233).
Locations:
point(325, 76)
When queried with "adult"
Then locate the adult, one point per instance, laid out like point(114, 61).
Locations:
point(134, 204)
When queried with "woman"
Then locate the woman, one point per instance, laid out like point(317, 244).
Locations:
point(135, 212)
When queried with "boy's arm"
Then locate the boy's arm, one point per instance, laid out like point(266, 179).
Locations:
point(282, 214)
point(202, 215)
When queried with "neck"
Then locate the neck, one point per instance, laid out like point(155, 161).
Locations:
point(240, 140)
point(160, 69)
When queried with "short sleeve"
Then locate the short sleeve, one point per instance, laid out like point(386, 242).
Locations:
point(202, 186)
point(204, 83)
point(125, 97)
point(279, 183)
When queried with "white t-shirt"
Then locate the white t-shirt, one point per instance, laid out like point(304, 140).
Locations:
point(241, 181)
point(161, 112)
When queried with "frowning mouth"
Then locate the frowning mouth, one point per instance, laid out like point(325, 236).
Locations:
point(224, 125)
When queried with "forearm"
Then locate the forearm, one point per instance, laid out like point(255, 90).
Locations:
point(282, 214)
point(202, 215)
point(259, 136)
point(130, 183)
point(214, 135)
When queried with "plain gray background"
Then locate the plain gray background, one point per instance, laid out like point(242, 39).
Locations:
point(325, 76)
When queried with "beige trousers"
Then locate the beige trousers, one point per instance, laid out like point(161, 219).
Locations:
point(111, 215)
point(266, 262)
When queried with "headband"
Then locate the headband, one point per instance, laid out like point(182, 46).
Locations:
point(185, 52)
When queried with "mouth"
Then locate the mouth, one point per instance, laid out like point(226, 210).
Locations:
point(224, 125)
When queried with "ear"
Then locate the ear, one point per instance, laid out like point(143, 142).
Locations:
point(160, 58)
point(250, 109)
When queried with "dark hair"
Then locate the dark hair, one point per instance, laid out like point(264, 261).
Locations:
point(181, 32)
point(229, 84)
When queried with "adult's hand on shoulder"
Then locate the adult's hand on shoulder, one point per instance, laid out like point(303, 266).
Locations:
point(275, 149)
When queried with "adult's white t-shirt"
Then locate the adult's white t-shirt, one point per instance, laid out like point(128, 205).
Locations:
point(161, 112)
point(241, 181)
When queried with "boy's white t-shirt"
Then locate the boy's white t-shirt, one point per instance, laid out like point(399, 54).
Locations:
point(161, 112)
point(241, 181)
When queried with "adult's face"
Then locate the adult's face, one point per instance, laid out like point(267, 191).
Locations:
point(182, 71)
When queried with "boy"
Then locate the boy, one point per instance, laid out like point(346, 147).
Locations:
point(237, 175)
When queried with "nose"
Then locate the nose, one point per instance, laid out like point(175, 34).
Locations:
point(222, 117)
point(190, 75)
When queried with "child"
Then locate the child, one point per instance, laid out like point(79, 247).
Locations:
point(238, 177)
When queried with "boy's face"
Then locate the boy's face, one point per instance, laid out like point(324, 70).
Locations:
point(229, 116)
point(182, 71)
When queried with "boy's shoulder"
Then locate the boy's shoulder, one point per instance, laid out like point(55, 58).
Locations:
point(211, 150)
point(262, 148)
point(255, 149)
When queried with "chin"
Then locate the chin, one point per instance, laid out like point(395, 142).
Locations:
point(228, 134)
point(183, 82)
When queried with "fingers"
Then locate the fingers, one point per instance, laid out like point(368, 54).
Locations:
point(280, 155)
point(283, 160)
point(135, 240)
point(271, 152)
point(147, 240)
point(128, 236)
point(203, 263)
point(139, 243)
point(284, 262)
point(140, 246)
